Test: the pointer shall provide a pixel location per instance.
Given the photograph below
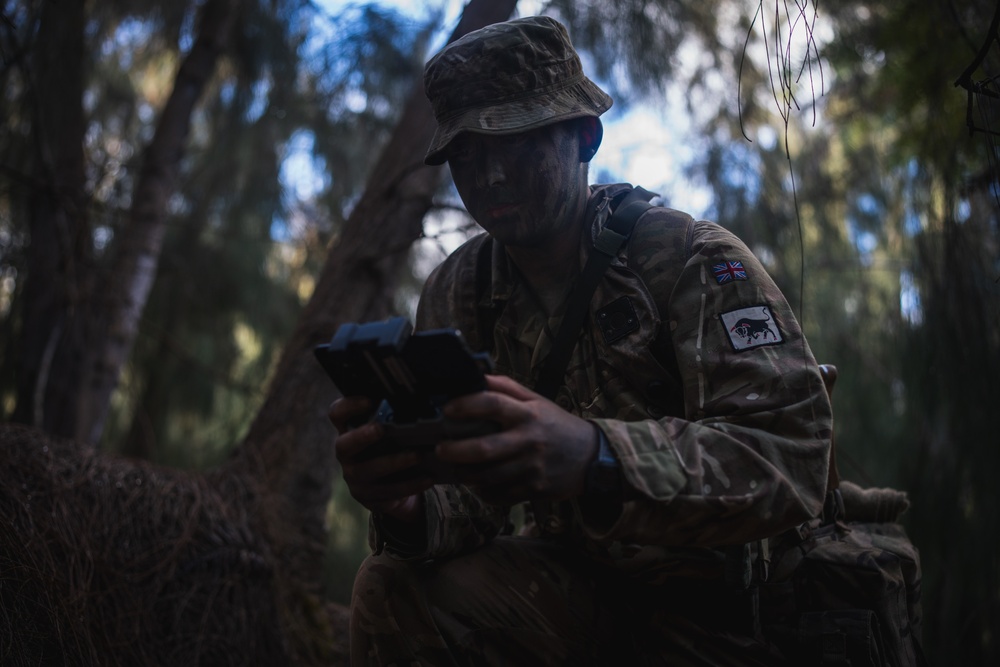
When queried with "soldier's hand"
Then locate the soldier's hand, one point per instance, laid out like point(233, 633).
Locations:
point(541, 451)
point(370, 480)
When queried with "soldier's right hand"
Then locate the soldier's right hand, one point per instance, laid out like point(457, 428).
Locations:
point(375, 482)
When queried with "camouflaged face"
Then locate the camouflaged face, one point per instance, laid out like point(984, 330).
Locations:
point(507, 78)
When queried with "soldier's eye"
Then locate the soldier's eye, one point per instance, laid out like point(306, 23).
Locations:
point(459, 151)
point(518, 140)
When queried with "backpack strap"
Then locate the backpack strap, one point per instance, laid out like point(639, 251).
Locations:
point(833, 506)
point(672, 229)
point(486, 312)
point(609, 241)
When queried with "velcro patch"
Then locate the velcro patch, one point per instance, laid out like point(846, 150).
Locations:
point(751, 327)
point(617, 319)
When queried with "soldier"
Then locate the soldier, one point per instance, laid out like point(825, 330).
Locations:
point(690, 424)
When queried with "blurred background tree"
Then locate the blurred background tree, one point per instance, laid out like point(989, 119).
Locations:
point(832, 139)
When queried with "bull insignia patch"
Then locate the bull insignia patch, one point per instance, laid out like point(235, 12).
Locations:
point(751, 327)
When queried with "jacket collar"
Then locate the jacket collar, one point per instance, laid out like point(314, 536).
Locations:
point(599, 206)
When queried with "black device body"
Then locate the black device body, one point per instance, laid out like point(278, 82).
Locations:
point(409, 376)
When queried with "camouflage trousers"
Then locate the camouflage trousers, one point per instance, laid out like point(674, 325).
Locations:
point(521, 601)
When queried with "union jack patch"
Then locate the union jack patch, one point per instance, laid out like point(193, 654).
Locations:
point(729, 271)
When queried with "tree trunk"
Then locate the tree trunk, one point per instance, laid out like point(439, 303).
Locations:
point(290, 445)
point(57, 286)
point(131, 276)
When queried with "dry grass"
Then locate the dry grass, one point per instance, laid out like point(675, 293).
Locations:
point(105, 561)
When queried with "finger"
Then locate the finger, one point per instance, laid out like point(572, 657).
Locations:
point(486, 406)
point(352, 444)
point(348, 410)
point(478, 451)
point(386, 478)
point(372, 469)
point(510, 387)
point(348, 405)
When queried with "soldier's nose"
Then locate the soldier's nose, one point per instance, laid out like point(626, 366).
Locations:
point(495, 174)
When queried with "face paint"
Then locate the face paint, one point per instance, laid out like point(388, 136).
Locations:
point(521, 188)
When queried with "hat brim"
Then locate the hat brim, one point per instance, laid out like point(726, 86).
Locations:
point(583, 98)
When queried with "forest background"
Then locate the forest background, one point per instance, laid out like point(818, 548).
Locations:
point(193, 194)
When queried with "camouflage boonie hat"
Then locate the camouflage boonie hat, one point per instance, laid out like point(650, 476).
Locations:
point(506, 78)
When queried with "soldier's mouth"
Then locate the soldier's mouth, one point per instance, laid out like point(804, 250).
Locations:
point(500, 210)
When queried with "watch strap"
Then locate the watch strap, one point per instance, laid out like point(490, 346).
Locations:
point(604, 474)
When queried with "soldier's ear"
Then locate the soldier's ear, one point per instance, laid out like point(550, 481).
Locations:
point(591, 131)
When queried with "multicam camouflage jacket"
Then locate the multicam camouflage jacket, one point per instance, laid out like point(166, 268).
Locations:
point(693, 366)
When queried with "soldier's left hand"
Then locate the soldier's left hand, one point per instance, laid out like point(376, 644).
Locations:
point(540, 452)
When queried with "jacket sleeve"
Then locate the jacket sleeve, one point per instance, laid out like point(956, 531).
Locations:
point(748, 458)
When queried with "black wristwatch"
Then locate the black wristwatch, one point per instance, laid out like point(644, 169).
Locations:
point(604, 475)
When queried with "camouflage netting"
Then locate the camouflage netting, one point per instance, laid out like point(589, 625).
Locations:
point(105, 561)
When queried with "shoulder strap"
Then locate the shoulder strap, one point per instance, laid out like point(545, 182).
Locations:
point(486, 313)
point(674, 231)
point(833, 506)
point(606, 246)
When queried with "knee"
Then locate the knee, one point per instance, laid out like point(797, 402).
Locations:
point(387, 589)
point(380, 575)
point(388, 610)
point(383, 587)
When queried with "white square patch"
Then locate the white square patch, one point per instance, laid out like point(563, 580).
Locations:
point(751, 327)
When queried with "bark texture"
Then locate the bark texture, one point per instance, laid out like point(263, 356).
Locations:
point(58, 287)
